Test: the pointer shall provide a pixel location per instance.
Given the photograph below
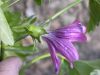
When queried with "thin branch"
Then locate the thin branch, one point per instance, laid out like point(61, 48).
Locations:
point(63, 11)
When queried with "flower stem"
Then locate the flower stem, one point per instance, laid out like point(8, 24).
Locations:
point(1, 52)
point(63, 11)
point(43, 57)
point(62, 60)
point(38, 58)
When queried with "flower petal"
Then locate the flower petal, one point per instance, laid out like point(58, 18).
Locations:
point(54, 57)
point(73, 32)
point(76, 26)
point(72, 36)
point(65, 48)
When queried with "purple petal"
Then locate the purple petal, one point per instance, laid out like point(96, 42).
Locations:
point(54, 57)
point(61, 41)
point(73, 36)
point(75, 26)
point(73, 32)
point(65, 48)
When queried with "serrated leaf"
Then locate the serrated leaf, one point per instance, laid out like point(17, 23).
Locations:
point(94, 7)
point(21, 51)
point(5, 32)
point(13, 18)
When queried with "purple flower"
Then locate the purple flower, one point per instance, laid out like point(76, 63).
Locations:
point(60, 41)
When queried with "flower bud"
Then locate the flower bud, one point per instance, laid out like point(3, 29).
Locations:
point(36, 31)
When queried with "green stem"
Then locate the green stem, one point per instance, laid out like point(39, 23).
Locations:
point(1, 52)
point(40, 58)
point(60, 72)
point(43, 57)
point(63, 11)
point(13, 3)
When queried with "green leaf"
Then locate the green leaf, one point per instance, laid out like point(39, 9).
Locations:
point(29, 20)
point(95, 72)
point(94, 6)
point(8, 3)
point(15, 22)
point(5, 32)
point(83, 68)
point(38, 2)
point(13, 18)
point(65, 69)
point(20, 50)
point(98, 1)
point(1, 2)
point(94, 63)
point(80, 67)
point(19, 24)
